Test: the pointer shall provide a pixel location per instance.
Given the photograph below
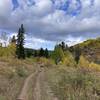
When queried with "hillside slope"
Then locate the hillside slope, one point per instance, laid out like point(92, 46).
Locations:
point(90, 49)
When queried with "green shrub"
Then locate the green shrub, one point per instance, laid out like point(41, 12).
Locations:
point(94, 66)
point(58, 54)
point(69, 59)
point(83, 62)
point(8, 51)
point(2, 97)
point(22, 72)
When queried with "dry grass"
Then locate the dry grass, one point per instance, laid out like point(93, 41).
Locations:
point(12, 75)
point(74, 83)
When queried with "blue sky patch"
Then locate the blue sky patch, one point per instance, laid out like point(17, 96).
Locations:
point(15, 4)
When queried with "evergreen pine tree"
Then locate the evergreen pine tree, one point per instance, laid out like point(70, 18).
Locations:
point(13, 40)
point(41, 53)
point(77, 54)
point(20, 43)
point(63, 46)
point(46, 53)
point(35, 53)
point(66, 47)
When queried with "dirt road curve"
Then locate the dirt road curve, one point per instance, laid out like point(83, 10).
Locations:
point(23, 93)
point(41, 89)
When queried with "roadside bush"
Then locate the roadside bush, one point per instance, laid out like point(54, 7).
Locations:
point(8, 51)
point(83, 62)
point(69, 59)
point(2, 97)
point(58, 55)
point(94, 66)
point(22, 72)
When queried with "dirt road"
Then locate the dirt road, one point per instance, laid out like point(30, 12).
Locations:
point(41, 89)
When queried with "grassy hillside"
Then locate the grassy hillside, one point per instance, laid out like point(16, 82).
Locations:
point(90, 49)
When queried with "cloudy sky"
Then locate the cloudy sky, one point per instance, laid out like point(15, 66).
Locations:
point(48, 22)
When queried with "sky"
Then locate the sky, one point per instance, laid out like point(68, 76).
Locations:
point(48, 22)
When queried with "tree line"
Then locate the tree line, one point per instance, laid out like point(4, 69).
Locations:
point(58, 54)
point(21, 51)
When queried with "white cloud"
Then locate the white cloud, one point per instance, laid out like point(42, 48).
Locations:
point(47, 20)
point(5, 7)
point(37, 43)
